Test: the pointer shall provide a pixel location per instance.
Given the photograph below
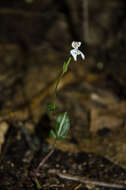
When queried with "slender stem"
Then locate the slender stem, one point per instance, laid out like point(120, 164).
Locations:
point(64, 70)
point(45, 159)
point(56, 87)
point(58, 81)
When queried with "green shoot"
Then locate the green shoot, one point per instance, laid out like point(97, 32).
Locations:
point(61, 129)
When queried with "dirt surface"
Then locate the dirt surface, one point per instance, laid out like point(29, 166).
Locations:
point(19, 162)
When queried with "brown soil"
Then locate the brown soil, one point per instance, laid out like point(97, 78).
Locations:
point(18, 162)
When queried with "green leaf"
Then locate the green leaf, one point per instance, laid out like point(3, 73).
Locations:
point(62, 125)
point(52, 134)
point(51, 107)
point(65, 65)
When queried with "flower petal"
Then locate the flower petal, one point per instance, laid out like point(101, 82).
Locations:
point(82, 55)
point(74, 53)
point(76, 45)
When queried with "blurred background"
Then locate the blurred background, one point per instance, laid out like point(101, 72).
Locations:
point(35, 40)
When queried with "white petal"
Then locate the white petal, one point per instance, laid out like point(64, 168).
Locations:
point(83, 56)
point(80, 53)
point(74, 54)
point(76, 45)
point(79, 44)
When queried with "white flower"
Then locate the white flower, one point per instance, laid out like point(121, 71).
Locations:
point(75, 52)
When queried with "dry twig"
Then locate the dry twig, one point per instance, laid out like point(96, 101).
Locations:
point(91, 182)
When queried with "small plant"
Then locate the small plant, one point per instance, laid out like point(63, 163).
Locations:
point(61, 129)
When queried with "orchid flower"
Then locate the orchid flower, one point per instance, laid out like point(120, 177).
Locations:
point(75, 52)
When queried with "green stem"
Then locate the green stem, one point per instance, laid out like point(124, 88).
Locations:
point(38, 186)
point(58, 81)
point(56, 87)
